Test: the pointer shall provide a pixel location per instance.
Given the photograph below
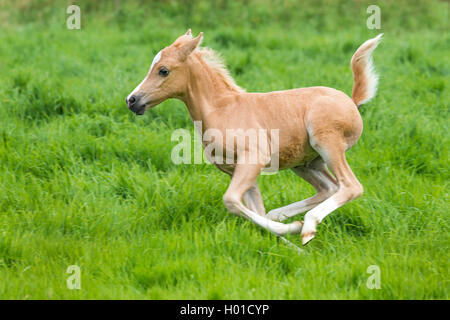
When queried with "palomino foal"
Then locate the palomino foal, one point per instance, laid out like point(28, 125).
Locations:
point(316, 126)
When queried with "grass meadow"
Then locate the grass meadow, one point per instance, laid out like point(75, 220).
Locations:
point(85, 182)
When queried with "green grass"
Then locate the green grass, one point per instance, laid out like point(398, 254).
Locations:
point(85, 182)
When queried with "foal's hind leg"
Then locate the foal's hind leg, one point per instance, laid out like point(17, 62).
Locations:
point(349, 188)
point(244, 177)
point(317, 174)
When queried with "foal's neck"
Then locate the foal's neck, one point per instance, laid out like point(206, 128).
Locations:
point(205, 88)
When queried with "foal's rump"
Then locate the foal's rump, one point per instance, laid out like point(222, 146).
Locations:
point(332, 115)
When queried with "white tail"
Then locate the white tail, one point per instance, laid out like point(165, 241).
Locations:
point(365, 78)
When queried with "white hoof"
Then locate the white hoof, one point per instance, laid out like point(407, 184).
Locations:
point(307, 237)
point(308, 232)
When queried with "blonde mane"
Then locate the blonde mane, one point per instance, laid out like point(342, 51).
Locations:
point(214, 60)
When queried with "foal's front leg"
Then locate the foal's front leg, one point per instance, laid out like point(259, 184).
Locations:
point(244, 177)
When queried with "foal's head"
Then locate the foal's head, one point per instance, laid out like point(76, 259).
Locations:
point(167, 77)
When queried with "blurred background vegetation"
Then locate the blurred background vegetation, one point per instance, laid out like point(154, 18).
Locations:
point(317, 15)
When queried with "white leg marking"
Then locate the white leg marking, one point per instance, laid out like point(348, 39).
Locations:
point(323, 209)
point(315, 216)
point(283, 213)
point(275, 227)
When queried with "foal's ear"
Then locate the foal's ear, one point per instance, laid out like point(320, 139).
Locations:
point(190, 46)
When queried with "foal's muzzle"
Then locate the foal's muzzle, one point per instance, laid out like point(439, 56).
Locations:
point(134, 104)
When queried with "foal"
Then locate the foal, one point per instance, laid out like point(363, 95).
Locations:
point(316, 126)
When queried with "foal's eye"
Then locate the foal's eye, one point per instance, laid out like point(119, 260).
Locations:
point(164, 72)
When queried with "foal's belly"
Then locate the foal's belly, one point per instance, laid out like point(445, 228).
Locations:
point(287, 158)
point(296, 155)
